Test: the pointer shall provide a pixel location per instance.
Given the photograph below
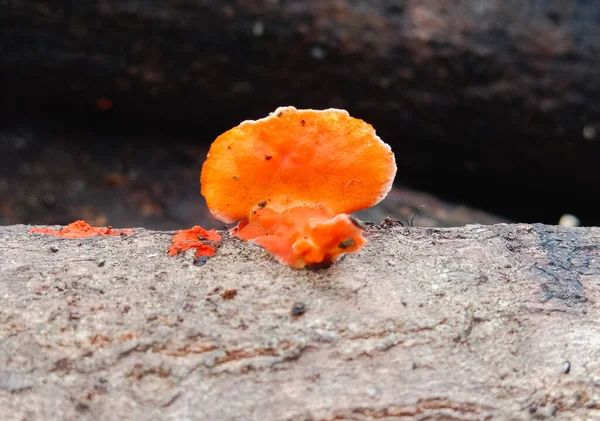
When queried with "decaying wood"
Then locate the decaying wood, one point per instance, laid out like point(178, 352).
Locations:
point(478, 90)
point(471, 323)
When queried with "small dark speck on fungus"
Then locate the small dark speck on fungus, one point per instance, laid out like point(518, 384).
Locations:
point(348, 242)
point(236, 178)
point(279, 114)
point(267, 157)
point(262, 204)
point(303, 122)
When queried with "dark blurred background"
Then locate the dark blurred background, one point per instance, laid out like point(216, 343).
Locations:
point(108, 107)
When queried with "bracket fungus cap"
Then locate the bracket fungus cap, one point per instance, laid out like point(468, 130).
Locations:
point(319, 158)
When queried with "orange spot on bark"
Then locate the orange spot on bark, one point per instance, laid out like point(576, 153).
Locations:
point(191, 239)
point(80, 229)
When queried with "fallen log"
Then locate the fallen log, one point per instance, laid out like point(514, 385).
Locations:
point(494, 93)
point(479, 322)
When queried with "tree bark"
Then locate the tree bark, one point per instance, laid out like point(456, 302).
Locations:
point(477, 90)
point(472, 323)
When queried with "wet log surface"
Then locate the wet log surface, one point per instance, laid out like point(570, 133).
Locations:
point(479, 322)
point(501, 94)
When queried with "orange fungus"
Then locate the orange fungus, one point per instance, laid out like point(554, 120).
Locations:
point(303, 235)
point(191, 239)
point(293, 178)
point(80, 229)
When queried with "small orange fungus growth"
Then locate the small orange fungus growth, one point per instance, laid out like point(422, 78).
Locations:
point(292, 179)
point(302, 236)
point(80, 229)
point(190, 239)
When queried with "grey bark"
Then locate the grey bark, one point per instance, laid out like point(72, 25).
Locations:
point(474, 323)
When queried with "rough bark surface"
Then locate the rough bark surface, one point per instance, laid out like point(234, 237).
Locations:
point(480, 90)
point(471, 323)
